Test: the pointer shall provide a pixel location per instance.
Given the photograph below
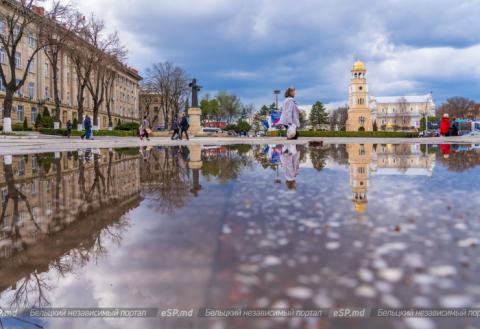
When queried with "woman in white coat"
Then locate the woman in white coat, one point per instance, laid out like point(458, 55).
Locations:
point(290, 114)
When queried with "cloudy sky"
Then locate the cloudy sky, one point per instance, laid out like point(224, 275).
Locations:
point(253, 47)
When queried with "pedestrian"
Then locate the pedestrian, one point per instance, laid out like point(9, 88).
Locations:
point(69, 128)
point(176, 128)
point(87, 124)
point(445, 125)
point(144, 129)
point(184, 125)
point(454, 127)
point(290, 114)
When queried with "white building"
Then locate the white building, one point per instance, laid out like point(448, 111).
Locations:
point(401, 111)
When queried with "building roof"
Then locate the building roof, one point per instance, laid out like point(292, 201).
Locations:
point(408, 99)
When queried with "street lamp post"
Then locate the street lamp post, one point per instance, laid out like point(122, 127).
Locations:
point(276, 92)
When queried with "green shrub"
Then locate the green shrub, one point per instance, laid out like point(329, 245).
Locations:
point(230, 127)
point(63, 132)
point(25, 124)
point(378, 134)
point(75, 123)
point(243, 127)
point(38, 121)
point(17, 127)
point(128, 126)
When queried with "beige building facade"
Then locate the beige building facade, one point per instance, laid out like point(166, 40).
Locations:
point(36, 94)
point(401, 112)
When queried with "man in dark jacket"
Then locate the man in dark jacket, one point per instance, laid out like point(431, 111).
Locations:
point(87, 124)
point(184, 125)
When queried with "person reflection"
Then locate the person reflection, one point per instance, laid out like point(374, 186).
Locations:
point(290, 160)
point(445, 149)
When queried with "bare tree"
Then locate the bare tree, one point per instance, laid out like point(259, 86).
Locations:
point(403, 112)
point(57, 31)
point(459, 107)
point(81, 57)
point(104, 51)
point(338, 118)
point(170, 82)
point(22, 20)
point(110, 76)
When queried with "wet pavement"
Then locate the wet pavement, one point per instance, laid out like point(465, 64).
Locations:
point(242, 226)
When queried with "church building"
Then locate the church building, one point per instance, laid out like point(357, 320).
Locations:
point(387, 112)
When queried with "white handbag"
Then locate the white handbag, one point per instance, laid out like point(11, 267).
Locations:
point(291, 131)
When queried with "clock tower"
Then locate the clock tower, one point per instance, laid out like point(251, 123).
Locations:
point(359, 115)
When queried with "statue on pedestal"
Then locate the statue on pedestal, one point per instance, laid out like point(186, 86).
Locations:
point(195, 89)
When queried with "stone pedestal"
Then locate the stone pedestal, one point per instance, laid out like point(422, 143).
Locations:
point(195, 161)
point(194, 114)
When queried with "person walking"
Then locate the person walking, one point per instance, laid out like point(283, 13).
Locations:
point(176, 128)
point(184, 125)
point(290, 117)
point(87, 124)
point(445, 125)
point(454, 127)
point(145, 127)
point(69, 128)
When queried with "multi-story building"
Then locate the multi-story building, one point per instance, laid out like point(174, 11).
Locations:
point(36, 94)
point(405, 112)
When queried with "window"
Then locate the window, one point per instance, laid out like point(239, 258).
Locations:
point(34, 164)
point(34, 118)
point(20, 113)
point(21, 167)
point(2, 87)
point(46, 92)
point(2, 56)
point(46, 69)
point(16, 31)
point(31, 67)
point(2, 25)
point(19, 91)
point(31, 40)
point(31, 89)
point(361, 120)
point(18, 60)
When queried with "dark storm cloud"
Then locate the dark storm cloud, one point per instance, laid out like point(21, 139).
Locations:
point(252, 47)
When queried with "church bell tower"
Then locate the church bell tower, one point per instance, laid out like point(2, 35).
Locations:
point(359, 115)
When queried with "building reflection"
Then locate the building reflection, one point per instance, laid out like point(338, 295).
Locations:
point(367, 160)
point(57, 211)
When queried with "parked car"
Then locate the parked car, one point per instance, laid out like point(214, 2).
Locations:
point(429, 133)
point(211, 130)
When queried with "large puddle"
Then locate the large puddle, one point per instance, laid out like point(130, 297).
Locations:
point(272, 226)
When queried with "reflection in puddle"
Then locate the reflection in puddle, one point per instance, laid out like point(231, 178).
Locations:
point(241, 226)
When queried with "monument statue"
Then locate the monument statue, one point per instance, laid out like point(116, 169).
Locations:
point(195, 89)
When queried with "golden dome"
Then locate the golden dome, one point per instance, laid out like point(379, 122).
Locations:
point(358, 66)
point(360, 207)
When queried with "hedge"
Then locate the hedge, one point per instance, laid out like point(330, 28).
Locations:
point(63, 132)
point(379, 134)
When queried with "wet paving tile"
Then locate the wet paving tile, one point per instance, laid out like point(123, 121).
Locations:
point(273, 226)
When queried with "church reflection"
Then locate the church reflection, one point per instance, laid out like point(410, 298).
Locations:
point(367, 160)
